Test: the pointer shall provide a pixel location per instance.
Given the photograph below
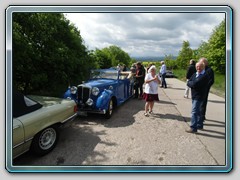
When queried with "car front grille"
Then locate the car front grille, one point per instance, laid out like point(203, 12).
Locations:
point(83, 93)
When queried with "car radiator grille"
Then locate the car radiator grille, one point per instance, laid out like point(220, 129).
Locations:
point(83, 94)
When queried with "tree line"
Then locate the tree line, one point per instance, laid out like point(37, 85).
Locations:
point(49, 54)
point(214, 50)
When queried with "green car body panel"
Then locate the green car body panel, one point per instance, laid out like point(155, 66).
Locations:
point(55, 111)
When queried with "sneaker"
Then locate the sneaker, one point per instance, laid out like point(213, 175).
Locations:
point(150, 112)
point(191, 131)
point(185, 96)
point(146, 114)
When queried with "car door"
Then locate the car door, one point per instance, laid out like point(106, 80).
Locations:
point(18, 138)
point(120, 90)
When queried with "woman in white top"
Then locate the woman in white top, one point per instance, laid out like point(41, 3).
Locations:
point(151, 89)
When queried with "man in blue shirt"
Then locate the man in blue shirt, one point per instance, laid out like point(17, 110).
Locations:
point(163, 75)
point(198, 84)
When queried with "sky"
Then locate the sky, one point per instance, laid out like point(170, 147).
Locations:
point(145, 34)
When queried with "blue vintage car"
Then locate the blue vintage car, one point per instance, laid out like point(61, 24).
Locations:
point(103, 92)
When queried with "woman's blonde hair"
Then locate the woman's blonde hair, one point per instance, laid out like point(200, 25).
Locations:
point(151, 68)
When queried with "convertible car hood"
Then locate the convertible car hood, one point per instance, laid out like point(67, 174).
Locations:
point(47, 101)
point(99, 82)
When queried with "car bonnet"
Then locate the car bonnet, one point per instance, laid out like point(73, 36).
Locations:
point(47, 101)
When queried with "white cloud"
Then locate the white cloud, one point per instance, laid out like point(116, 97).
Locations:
point(145, 34)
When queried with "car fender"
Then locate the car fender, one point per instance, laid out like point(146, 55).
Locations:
point(103, 99)
point(69, 95)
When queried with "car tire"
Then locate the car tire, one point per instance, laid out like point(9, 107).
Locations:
point(109, 112)
point(44, 141)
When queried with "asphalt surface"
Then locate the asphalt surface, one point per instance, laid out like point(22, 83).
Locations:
point(213, 136)
point(130, 138)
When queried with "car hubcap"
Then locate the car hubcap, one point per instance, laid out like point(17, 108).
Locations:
point(47, 138)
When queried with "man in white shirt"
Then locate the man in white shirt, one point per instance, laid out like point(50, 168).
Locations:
point(163, 75)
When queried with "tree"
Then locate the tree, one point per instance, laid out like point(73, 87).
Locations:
point(118, 56)
point(215, 49)
point(216, 53)
point(103, 58)
point(48, 53)
point(185, 54)
point(170, 62)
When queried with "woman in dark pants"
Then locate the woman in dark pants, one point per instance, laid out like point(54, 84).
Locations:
point(140, 75)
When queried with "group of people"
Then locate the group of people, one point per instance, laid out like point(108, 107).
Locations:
point(200, 78)
point(151, 80)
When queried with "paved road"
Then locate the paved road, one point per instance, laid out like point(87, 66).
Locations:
point(130, 138)
point(213, 135)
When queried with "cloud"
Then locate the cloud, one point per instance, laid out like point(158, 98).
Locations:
point(145, 34)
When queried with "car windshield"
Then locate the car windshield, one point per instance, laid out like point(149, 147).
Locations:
point(96, 74)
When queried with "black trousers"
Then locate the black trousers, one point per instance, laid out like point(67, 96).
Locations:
point(138, 88)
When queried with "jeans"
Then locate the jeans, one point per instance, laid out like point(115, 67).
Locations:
point(163, 76)
point(196, 120)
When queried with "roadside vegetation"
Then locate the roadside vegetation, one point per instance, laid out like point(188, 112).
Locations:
point(218, 87)
point(49, 54)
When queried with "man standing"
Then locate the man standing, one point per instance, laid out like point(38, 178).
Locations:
point(210, 74)
point(140, 75)
point(198, 86)
point(191, 70)
point(163, 74)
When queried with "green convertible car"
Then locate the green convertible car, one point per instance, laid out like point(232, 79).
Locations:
point(36, 120)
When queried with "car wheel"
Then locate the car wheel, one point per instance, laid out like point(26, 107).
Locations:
point(45, 141)
point(109, 110)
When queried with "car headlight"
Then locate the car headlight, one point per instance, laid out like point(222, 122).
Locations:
point(95, 91)
point(73, 90)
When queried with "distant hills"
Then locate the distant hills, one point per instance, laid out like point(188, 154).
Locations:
point(150, 58)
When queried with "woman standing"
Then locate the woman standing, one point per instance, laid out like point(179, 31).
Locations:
point(151, 90)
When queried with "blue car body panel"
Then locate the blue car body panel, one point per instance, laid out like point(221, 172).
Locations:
point(103, 100)
point(69, 95)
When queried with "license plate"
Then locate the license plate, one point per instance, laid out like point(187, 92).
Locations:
point(81, 113)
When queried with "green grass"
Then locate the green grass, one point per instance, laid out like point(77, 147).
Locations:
point(218, 87)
